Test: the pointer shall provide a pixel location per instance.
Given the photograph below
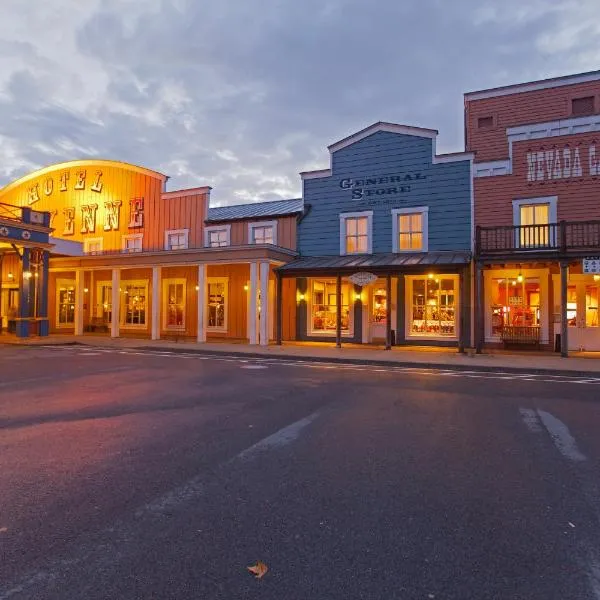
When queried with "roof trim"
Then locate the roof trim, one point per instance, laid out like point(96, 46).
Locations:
point(187, 192)
point(82, 163)
point(532, 86)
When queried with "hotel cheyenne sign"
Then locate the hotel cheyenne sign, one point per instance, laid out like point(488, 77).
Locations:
point(563, 163)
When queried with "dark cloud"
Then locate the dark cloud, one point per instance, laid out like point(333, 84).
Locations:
point(244, 95)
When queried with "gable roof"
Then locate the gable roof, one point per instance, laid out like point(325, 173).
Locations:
point(255, 210)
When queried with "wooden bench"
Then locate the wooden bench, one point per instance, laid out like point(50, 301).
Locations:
point(521, 334)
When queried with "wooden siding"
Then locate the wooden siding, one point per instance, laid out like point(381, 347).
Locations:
point(519, 109)
point(10, 264)
point(446, 190)
point(577, 196)
point(286, 231)
point(288, 309)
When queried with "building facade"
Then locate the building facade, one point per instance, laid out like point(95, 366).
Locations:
point(537, 216)
point(127, 258)
point(384, 243)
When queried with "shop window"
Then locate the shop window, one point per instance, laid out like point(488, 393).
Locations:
point(104, 292)
point(410, 229)
point(515, 302)
point(134, 300)
point(92, 246)
point(176, 239)
point(356, 233)
point(217, 237)
point(217, 304)
point(263, 233)
point(65, 303)
point(133, 242)
point(485, 122)
point(434, 305)
point(174, 303)
point(591, 306)
point(323, 313)
point(583, 106)
point(572, 306)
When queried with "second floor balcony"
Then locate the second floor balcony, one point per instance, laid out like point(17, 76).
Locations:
point(565, 238)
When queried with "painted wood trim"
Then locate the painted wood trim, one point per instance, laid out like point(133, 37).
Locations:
point(424, 211)
point(209, 228)
point(116, 303)
point(202, 294)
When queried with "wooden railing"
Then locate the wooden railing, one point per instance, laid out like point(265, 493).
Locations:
point(12, 213)
point(558, 237)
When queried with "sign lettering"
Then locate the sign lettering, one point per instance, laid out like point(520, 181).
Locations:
point(376, 186)
point(136, 213)
point(48, 186)
point(64, 178)
point(88, 218)
point(69, 221)
point(562, 163)
point(80, 182)
point(33, 194)
point(111, 215)
point(97, 185)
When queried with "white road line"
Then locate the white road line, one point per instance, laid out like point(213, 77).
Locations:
point(253, 367)
point(530, 418)
point(561, 436)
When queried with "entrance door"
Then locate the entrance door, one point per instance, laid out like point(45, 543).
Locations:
point(377, 312)
point(103, 312)
point(9, 299)
point(582, 315)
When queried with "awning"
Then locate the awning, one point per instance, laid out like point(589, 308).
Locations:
point(376, 263)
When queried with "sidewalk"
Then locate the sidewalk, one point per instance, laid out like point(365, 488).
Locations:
point(579, 363)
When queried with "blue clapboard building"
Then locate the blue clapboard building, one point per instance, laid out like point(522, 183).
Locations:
point(385, 242)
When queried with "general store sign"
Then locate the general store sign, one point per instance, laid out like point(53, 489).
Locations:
point(366, 187)
point(591, 264)
point(563, 163)
point(362, 278)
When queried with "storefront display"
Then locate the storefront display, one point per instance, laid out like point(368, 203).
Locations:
point(324, 306)
point(433, 306)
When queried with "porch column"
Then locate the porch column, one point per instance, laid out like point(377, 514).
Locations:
point(265, 309)
point(253, 291)
point(156, 302)
point(115, 303)
point(463, 308)
point(564, 329)
point(44, 324)
point(79, 277)
point(479, 308)
point(388, 313)
point(279, 309)
point(25, 284)
point(202, 304)
point(338, 315)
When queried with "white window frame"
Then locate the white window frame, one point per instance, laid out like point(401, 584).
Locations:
point(257, 224)
point(88, 241)
point(63, 283)
point(224, 280)
point(409, 309)
point(552, 201)
point(184, 232)
point(211, 228)
point(353, 215)
point(123, 301)
point(165, 304)
point(396, 212)
point(133, 236)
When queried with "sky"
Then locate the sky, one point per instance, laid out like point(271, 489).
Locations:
point(242, 95)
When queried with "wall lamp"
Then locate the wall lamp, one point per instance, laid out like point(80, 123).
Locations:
point(301, 297)
point(27, 274)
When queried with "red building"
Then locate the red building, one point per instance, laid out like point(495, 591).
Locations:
point(537, 211)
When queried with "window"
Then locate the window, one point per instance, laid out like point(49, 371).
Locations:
point(379, 308)
point(515, 303)
point(263, 232)
point(434, 306)
point(104, 308)
point(135, 294)
point(217, 236)
point(583, 106)
point(65, 303)
point(323, 298)
point(133, 242)
point(485, 122)
point(535, 218)
point(410, 229)
point(174, 303)
point(217, 303)
point(92, 246)
point(582, 297)
point(176, 239)
point(356, 233)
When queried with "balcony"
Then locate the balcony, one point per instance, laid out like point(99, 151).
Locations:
point(566, 238)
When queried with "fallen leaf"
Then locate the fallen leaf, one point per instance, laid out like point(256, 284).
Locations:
point(259, 569)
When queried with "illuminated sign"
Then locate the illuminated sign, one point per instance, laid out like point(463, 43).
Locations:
point(47, 187)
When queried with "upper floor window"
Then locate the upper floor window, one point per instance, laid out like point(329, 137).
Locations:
point(217, 236)
point(92, 246)
point(410, 229)
point(485, 122)
point(583, 106)
point(176, 239)
point(356, 233)
point(133, 242)
point(264, 232)
point(534, 218)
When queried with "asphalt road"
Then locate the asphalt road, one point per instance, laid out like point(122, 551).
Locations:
point(147, 475)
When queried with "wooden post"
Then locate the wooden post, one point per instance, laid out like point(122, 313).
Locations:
point(463, 307)
point(265, 309)
point(115, 303)
point(338, 318)
point(156, 280)
point(479, 309)
point(252, 305)
point(564, 329)
point(201, 306)
point(279, 309)
point(79, 278)
point(388, 313)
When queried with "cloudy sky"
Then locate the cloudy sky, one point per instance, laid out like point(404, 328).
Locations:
point(244, 94)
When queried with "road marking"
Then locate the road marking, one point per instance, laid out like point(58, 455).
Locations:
point(530, 418)
point(253, 367)
point(561, 436)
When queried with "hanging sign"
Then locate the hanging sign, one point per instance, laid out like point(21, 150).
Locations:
point(362, 279)
point(591, 264)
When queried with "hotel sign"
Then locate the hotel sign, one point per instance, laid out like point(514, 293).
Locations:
point(563, 163)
